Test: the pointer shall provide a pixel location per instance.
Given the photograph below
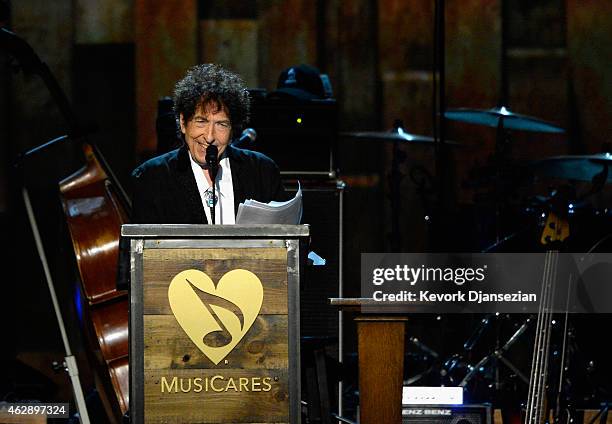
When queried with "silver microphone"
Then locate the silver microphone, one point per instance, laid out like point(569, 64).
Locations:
point(247, 138)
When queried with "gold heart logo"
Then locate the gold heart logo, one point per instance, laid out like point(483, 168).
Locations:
point(210, 323)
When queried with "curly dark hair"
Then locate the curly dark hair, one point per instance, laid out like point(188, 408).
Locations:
point(210, 83)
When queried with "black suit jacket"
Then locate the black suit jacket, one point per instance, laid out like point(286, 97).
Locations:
point(165, 189)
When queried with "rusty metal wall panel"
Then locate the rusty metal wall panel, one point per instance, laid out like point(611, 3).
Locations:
point(538, 87)
point(287, 36)
point(405, 34)
point(165, 35)
point(358, 84)
point(537, 73)
point(406, 58)
point(473, 49)
point(536, 23)
point(103, 21)
point(473, 44)
point(590, 54)
point(407, 96)
point(347, 50)
point(231, 43)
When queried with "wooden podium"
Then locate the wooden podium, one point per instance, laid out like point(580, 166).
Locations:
point(214, 323)
point(380, 344)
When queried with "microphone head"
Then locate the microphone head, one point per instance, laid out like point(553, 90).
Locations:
point(250, 133)
point(247, 138)
point(212, 156)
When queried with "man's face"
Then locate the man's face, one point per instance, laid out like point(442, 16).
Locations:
point(207, 126)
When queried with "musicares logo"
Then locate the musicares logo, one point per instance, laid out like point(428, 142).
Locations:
point(208, 323)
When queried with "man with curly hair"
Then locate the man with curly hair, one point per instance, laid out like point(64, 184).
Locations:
point(212, 106)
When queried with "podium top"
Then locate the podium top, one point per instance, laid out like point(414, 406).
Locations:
point(214, 231)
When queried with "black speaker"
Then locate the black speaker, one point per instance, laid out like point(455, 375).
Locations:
point(322, 210)
point(299, 136)
point(447, 414)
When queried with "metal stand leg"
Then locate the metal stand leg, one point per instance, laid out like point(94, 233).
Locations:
point(69, 360)
point(498, 354)
point(602, 414)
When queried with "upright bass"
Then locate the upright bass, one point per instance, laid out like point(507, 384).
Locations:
point(94, 212)
point(95, 207)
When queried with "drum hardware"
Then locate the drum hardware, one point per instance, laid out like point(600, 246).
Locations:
point(503, 120)
point(497, 354)
point(592, 226)
point(457, 371)
point(600, 242)
point(425, 187)
point(565, 200)
point(503, 116)
point(396, 135)
point(594, 168)
point(425, 354)
point(419, 175)
point(395, 180)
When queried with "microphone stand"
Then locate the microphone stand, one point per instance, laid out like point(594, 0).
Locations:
point(212, 160)
point(213, 177)
point(395, 178)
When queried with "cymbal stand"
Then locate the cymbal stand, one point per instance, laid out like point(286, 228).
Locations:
point(424, 183)
point(395, 180)
point(501, 154)
point(427, 352)
point(498, 354)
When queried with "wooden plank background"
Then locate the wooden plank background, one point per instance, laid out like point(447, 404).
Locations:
point(169, 353)
point(212, 407)
point(257, 350)
point(163, 264)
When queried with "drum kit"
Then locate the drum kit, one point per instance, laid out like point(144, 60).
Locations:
point(592, 168)
point(496, 372)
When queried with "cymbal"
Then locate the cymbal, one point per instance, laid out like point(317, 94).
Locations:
point(512, 121)
point(400, 136)
point(580, 168)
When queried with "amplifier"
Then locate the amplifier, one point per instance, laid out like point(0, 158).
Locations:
point(322, 210)
point(447, 414)
point(299, 136)
point(427, 395)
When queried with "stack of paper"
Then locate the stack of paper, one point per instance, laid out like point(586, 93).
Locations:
point(254, 212)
